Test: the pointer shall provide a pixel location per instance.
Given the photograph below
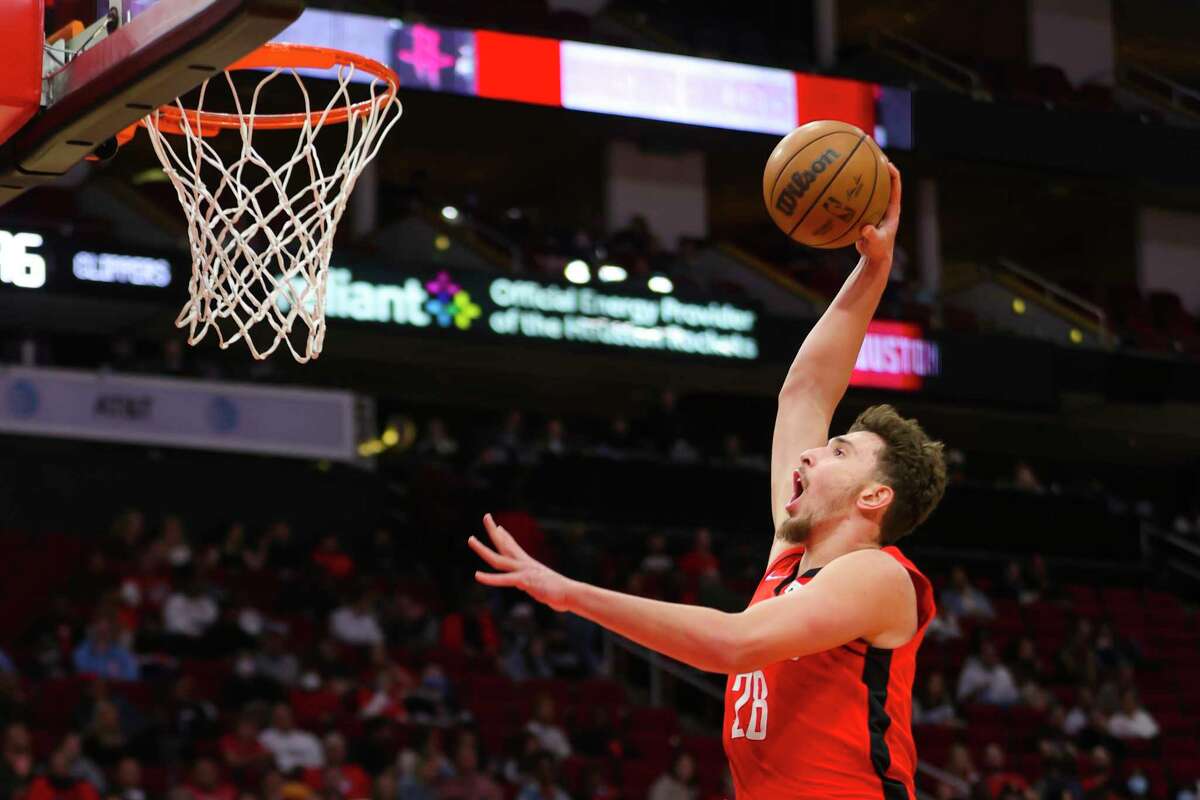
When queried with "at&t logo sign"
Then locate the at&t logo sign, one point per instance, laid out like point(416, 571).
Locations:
point(18, 265)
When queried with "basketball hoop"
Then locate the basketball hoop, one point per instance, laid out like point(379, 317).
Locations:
point(261, 235)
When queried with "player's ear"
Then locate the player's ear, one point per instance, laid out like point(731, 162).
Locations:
point(875, 498)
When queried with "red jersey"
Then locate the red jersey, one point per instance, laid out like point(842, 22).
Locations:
point(836, 724)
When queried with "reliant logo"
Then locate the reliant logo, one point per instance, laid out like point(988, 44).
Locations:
point(449, 303)
point(801, 180)
point(18, 265)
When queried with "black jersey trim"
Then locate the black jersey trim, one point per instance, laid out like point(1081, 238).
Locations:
point(877, 668)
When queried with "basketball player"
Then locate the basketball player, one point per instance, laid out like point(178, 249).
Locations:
point(820, 665)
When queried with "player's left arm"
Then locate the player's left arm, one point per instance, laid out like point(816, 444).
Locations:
point(862, 598)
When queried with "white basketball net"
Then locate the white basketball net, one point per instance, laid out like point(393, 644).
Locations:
point(260, 234)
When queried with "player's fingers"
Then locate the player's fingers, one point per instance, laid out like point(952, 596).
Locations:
point(491, 556)
point(504, 541)
point(893, 209)
point(497, 579)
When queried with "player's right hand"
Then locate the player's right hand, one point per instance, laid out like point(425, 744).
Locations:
point(877, 243)
point(517, 568)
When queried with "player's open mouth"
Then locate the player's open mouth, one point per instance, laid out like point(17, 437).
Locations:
point(797, 487)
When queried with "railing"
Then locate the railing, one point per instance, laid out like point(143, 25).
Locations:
point(1174, 551)
point(659, 666)
point(1061, 300)
point(1160, 89)
point(945, 71)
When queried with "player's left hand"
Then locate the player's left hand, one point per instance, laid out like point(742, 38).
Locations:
point(877, 241)
point(518, 568)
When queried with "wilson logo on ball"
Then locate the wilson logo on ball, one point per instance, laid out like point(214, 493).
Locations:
point(800, 181)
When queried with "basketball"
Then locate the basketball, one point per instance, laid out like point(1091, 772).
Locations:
point(824, 181)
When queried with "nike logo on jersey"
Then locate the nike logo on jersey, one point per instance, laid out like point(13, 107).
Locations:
point(777, 577)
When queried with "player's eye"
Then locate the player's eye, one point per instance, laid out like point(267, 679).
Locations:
point(837, 451)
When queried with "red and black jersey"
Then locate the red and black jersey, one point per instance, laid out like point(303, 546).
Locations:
point(836, 724)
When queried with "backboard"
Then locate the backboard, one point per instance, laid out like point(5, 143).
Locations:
point(94, 79)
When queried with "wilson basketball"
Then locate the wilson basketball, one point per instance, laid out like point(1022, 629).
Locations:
point(824, 181)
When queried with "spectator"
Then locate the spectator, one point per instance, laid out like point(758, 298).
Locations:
point(526, 659)
point(678, 783)
point(190, 613)
point(79, 765)
point(125, 536)
point(386, 697)
point(58, 783)
point(1132, 721)
point(961, 767)
point(105, 741)
point(468, 783)
point(617, 440)
point(174, 542)
point(344, 778)
point(422, 783)
point(437, 441)
point(127, 781)
point(101, 655)
point(192, 719)
point(241, 749)
point(999, 781)
point(206, 783)
point(290, 746)
point(232, 553)
point(554, 442)
point(984, 679)
point(1100, 779)
point(275, 663)
point(508, 446)
point(16, 767)
point(700, 561)
point(1025, 479)
point(6, 665)
point(550, 736)
point(413, 628)
point(279, 551)
point(963, 599)
point(1015, 585)
point(544, 785)
point(355, 624)
point(595, 785)
point(933, 704)
point(1027, 667)
point(331, 559)
point(386, 787)
point(657, 560)
point(1111, 650)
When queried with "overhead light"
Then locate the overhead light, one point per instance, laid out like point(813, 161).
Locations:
point(1076, 336)
point(661, 284)
point(611, 273)
point(441, 242)
point(1018, 305)
point(450, 213)
point(577, 271)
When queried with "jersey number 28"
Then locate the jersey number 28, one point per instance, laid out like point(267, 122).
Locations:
point(752, 685)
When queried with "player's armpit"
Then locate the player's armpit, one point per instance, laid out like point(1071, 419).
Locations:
point(866, 594)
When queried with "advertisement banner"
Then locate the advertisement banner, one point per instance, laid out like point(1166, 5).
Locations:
point(475, 304)
point(896, 355)
point(301, 423)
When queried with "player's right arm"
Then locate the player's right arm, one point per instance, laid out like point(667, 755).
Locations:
point(820, 373)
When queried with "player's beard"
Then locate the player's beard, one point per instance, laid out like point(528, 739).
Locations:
point(795, 530)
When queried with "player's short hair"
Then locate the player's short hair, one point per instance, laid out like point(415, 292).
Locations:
point(909, 462)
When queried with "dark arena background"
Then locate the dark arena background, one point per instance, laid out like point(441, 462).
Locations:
point(556, 295)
